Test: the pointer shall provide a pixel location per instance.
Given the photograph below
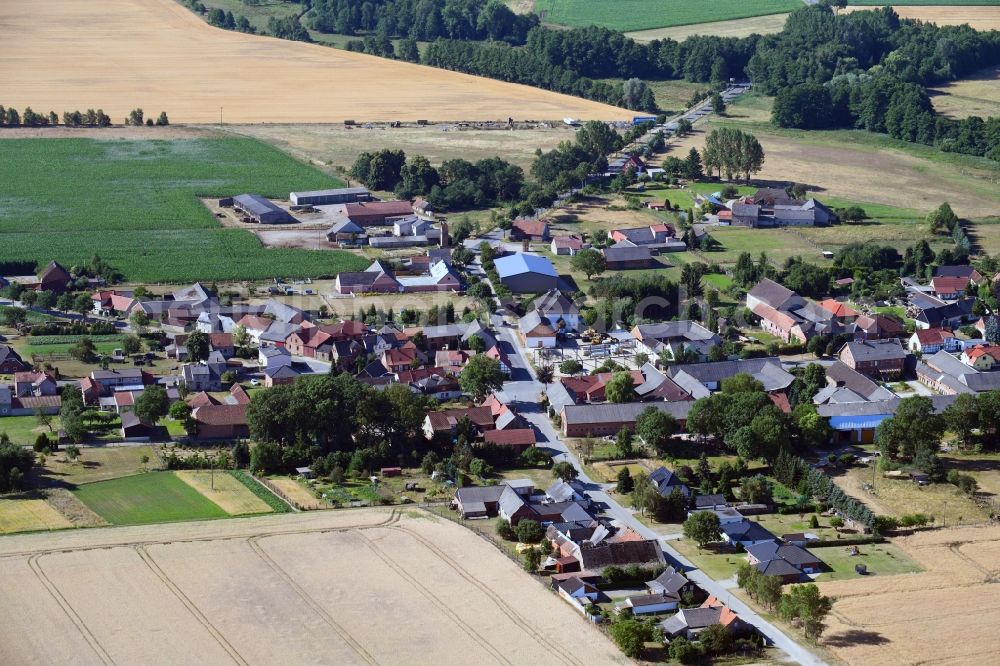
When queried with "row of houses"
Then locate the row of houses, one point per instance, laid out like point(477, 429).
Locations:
point(792, 318)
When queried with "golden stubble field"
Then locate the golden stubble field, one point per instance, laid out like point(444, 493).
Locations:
point(156, 54)
point(945, 615)
point(346, 587)
point(980, 17)
point(861, 173)
point(977, 95)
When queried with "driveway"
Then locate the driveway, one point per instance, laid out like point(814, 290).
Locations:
point(522, 391)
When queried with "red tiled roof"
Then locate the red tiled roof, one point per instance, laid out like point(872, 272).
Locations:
point(200, 399)
point(239, 395)
point(779, 319)
point(220, 339)
point(221, 415)
point(531, 227)
point(780, 401)
point(571, 242)
point(933, 336)
point(949, 285)
point(838, 309)
point(512, 437)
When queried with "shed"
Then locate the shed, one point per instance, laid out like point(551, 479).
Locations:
point(260, 210)
point(391, 471)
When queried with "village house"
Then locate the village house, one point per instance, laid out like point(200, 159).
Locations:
point(377, 278)
point(745, 534)
point(591, 388)
point(933, 340)
point(982, 357)
point(690, 622)
point(346, 234)
point(774, 208)
point(536, 331)
point(558, 309)
point(701, 379)
point(446, 421)
point(949, 288)
point(676, 337)
point(33, 383)
point(950, 315)
point(880, 359)
point(111, 302)
point(10, 361)
point(962, 271)
point(532, 230)
point(772, 294)
point(801, 560)
point(948, 375)
point(657, 238)
point(566, 245)
point(484, 501)
point(53, 278)
point(666, 482)
point(847, 385)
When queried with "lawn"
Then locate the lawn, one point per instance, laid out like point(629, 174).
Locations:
point(627, 15)
point(136, 204)
point(98, 464)
point(158, 497)
point(882, 559)
point(717, 565)
point(25, 515)
point(25, 429)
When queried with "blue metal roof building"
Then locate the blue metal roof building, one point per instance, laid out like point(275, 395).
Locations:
point(526, 273)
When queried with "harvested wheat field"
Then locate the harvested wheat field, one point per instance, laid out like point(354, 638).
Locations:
point(945, 615)
point(156, 54)
point(977, 95)
point(337, 145)
point(760, 25)
point(346, 587)
point(980, 17)
point(835, 164)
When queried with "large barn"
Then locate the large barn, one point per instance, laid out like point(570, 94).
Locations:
point(326, 197)
point(260, 210)
point(526, 273)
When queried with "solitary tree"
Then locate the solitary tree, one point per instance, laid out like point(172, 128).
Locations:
point(703, 528)
point(589, 262)
point(564, 470)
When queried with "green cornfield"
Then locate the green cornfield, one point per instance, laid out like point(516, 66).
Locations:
point(135, 203)
point(626, 15)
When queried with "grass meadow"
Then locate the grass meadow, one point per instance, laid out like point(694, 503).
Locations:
point(157, 497)
point(628, 15)
point(136, 204)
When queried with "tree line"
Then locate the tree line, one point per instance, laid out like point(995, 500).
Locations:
point(457, 184)
point(424, 20)
point(9, 117)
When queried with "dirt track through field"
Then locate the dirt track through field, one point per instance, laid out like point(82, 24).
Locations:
point(356, 587)
point(157, 55)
